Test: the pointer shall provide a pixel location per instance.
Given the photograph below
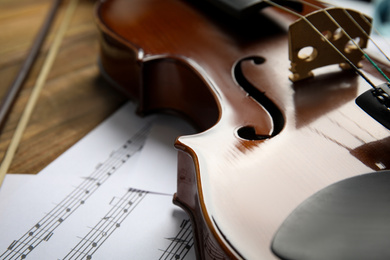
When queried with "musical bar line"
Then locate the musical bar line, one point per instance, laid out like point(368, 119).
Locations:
point(43, 230)
point(181, 244)
point(113, 219)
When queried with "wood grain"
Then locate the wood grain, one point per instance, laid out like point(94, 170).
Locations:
point(75, 97)
point(240, 179)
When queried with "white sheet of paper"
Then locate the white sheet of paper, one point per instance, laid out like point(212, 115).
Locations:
point(157, 166)
point(81, 205)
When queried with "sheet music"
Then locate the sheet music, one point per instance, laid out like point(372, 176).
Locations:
point(154, 156)
point(91, 203)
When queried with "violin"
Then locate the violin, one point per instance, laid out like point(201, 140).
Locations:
point(284, 154)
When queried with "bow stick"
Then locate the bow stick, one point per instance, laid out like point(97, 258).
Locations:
point(36, 90)
point(15, 87)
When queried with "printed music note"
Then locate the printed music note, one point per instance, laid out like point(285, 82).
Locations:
point(31, 239)
point(121, 208)
point(181, 244)
point(90, 217)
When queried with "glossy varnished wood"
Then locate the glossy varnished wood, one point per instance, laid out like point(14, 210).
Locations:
point(238, 191)
point(74, 99)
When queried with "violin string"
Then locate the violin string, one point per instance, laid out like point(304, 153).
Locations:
point(325, 39)
point(380, 35)
point(36, 90)
point(364, 18)
point(347, 35)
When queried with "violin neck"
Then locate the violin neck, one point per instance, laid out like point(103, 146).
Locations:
point(246, 8)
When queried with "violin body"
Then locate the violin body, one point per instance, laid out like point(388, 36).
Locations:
point(265, 144)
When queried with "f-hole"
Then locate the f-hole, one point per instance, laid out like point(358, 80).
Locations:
point(249, 132)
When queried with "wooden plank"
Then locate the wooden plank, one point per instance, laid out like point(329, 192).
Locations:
point(75, 97)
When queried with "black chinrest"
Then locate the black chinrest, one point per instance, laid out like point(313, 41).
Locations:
point(346, 220)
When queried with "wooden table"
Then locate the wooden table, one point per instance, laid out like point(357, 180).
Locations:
point(75, 97)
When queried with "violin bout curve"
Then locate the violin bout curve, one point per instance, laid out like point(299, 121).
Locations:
point(255, 159)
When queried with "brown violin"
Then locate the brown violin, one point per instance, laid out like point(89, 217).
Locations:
point(286, 164)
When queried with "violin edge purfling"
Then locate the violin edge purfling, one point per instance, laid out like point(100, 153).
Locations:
point(237, 190)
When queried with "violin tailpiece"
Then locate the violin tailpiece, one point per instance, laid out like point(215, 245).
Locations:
point(376, 103)
point(326, 37)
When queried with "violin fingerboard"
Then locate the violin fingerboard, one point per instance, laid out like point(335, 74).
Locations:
point(244, 8)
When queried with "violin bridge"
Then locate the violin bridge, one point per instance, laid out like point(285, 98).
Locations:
point(326, 37)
